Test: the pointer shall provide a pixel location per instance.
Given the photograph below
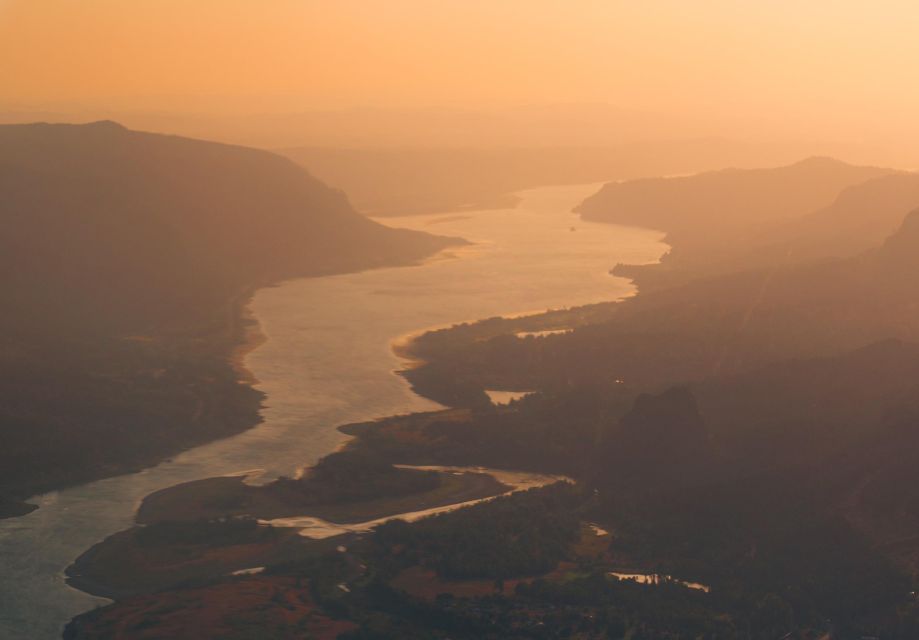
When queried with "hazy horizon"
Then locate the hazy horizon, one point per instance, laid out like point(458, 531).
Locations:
point(821, 79)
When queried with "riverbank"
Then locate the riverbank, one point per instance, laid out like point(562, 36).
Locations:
point(234, 605)
point(185, 385)
point(251, 338)
point(225, 497)
point(145, 560)
point(177, 387)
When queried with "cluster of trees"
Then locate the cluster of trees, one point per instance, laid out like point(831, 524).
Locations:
point(630, 609)
point(758, 541)
point(546, 432)
point(695, 485)
point(214, 533)
point(354, 476)
point(526, 534)
point(775, 563)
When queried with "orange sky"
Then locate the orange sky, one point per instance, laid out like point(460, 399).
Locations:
point(835, 67)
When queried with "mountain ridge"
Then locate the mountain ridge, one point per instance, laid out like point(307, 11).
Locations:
point(160, 207)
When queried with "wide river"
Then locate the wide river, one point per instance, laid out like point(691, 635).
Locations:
point(328, 361)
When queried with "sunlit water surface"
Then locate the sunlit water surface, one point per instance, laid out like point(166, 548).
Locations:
point(328, 361)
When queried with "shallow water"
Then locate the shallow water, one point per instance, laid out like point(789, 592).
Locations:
point(328, 361)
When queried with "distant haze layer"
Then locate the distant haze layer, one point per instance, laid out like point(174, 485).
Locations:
point(758, 71)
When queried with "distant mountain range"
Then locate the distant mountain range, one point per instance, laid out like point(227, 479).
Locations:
point(735, 219)
point(729, 197)
point(399, 180)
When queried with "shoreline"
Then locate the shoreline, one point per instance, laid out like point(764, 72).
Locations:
point(403, 346)
point(414, 361)
point(220, 355)
point(252, 338)
point(230, 345)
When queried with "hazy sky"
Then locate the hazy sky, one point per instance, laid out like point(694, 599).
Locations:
point(830, 66)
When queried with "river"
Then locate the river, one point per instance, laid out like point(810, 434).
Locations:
point(328, 361)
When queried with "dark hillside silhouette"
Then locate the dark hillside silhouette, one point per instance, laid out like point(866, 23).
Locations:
point(123, 230)
point(124, 260)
